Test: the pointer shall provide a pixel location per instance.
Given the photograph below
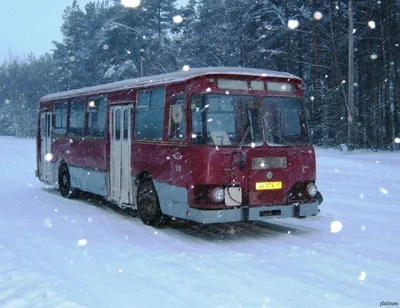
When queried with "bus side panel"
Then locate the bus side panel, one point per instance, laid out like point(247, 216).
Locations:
point(72, 151)
point(86, 160)
point(152, 158)
point(94, 152)
point(95, 167)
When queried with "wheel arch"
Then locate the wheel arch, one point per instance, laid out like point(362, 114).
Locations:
point(144, 175)
point(160, 219)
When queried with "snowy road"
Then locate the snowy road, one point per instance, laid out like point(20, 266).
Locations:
point(74, 253)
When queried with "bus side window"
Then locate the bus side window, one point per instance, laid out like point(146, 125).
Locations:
point(96, 109)
point(177, 118)
point(60, 119)
point(77, 118)
point(117, 124)
point(126, 124)
point(149, 117)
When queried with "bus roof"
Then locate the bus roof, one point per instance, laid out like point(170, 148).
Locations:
point(181, 75)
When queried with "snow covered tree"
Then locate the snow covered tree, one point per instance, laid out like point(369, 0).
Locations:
point(80, 57)
point(22, 85)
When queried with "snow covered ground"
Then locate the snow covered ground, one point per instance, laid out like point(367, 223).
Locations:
point(74, 253)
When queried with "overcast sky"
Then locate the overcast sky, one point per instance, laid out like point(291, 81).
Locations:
point(31, 25)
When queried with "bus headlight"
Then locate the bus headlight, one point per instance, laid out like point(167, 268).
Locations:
point(312, 190)
point(217, 195)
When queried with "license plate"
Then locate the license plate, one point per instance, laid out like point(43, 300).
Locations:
point(268, 185)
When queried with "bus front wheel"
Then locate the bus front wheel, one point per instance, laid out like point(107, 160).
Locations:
point(148, 205)
point(64, 183)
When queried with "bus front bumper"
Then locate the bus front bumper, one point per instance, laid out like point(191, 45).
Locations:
point(262, 213)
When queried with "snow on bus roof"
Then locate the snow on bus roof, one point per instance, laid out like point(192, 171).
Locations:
point(164, 78)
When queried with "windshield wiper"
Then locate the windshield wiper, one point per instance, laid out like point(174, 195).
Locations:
point(238, 151)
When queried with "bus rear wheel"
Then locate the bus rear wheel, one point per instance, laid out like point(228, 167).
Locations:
point(64, 183)
point(148, 205)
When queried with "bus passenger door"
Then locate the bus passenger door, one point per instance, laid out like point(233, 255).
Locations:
point(120, 154)
point(45, 147)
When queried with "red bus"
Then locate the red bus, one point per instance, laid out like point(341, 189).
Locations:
point(210, 145)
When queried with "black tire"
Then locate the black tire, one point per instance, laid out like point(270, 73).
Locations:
point(148, 205)
point(64, 183)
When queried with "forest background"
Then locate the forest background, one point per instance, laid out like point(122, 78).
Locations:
point(105, 42)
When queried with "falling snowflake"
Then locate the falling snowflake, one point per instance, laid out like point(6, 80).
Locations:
point(384, 191)
point(177, 19)
point(82, 242)
point(130, 3)
point(293, 23)
point(318, 15)
point(372, 24)
point(48, 157)
point(336, 226)
point(363, 275)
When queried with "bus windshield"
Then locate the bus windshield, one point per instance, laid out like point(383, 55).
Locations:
point(226, 120)
point(284, 121)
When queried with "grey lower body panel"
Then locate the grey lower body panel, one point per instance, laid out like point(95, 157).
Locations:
point(262, 213)
point(92, 181)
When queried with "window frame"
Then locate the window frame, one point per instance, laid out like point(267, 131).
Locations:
point(55, 134)
point(88, 113)
point(76, 100)
point(150, 107)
